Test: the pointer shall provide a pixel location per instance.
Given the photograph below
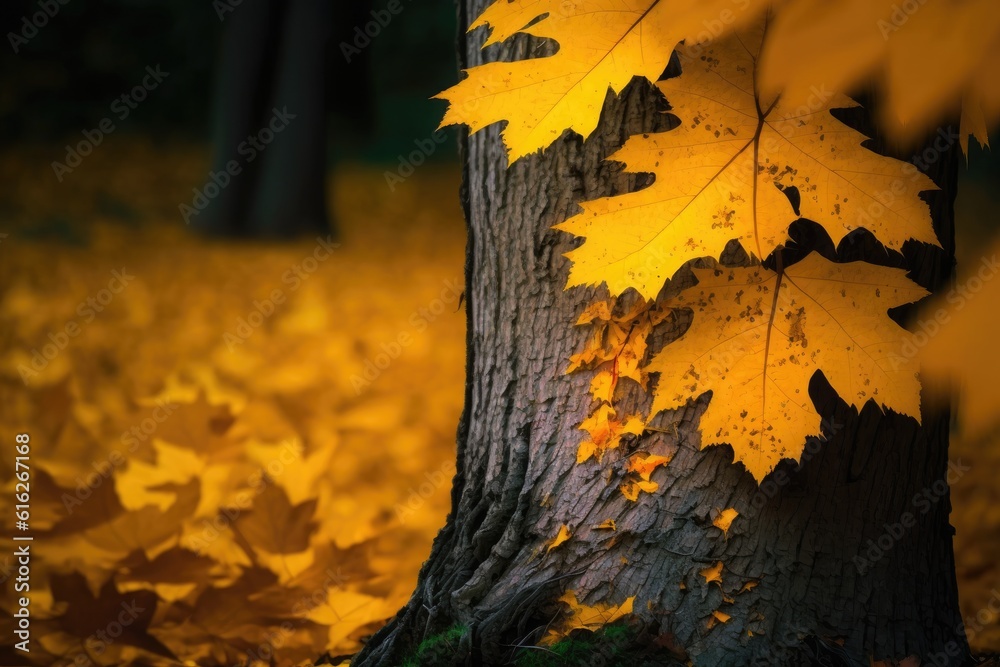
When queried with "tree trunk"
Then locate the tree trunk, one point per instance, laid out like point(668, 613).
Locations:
point(824, 597)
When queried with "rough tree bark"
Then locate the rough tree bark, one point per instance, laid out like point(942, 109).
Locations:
point(799, 534)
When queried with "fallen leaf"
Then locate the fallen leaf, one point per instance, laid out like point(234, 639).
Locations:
point(274, 525)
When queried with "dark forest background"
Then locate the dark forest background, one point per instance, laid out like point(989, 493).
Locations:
point(64, 79)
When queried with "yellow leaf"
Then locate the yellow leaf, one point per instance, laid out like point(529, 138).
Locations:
point(634, 425)
point(598, 425)
point(602, 387)
point(712, 573)
point(628, 363)
point(599, 310)
point(199, 425)
point(276, 526)
point(286, 566)
point(142, 484)
point(586, 449)
point(344, 612)
point(617, 346)
point(725, 519)
point(720, 176)
point(645, 464)
point(602, 44)
point(748, 586)
point(962, 353)
point(87, 609)
point(148, 528)
point(593, 353)
point(756, 342)
point(586, 617)
point(631, 489)
point(607, 524)
point(928, 60)
point(166, 592)
point(606, 432)
point(716, 618)
point(560, 537)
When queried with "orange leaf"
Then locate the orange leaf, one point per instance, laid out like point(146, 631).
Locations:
point(586, 617)
point(645, 464)
point(713, 573)
point(560, 537)
point(724, 519)
point(631, 489)
point(716, 618)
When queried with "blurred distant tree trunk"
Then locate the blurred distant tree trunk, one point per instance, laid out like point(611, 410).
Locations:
point(275, 62)
point(823, 594)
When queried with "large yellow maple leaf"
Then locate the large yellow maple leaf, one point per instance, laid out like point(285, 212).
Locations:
point(756, 340)
point(722, 175)
point(956, 341)
point(930, 56)
point(602, 44)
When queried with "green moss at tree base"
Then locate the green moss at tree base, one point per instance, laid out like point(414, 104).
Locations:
point(621, 644)
point(610, 646)
point(618, 645)
point(437, 649)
